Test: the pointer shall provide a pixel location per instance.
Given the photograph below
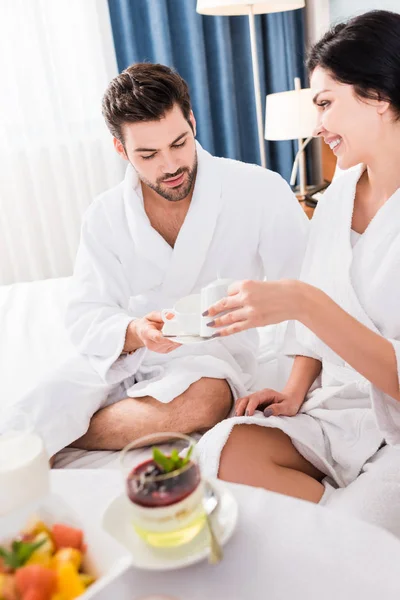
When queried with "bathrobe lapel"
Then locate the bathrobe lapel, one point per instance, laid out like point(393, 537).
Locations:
point(196, 234)
point(153, 252)
point(329, 262)
point(376, 267)
point(170, 273)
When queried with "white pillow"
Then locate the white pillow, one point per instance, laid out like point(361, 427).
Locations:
point(33, 339)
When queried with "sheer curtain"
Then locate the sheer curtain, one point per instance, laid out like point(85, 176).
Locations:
point(56, 155)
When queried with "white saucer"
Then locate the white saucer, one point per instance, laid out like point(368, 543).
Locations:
point(116, 522)
point(188, 339)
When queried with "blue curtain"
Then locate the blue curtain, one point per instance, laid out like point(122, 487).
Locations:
point(213, 55)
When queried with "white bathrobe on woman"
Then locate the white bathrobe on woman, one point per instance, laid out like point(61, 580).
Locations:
point(346, 419)
point(243, 222)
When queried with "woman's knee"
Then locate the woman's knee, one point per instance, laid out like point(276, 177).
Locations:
point(264, 441)
point(255, 447)
point(241, 456)
point(238, 447)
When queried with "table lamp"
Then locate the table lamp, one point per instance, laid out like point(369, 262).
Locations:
point(292, 116)
point(250, 8)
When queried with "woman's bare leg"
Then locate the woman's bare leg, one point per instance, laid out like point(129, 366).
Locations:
point(265, 457)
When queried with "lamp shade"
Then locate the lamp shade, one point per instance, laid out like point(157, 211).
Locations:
point(290, 115)
point(242, 7)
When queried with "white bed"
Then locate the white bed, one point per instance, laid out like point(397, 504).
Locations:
point(33, 342)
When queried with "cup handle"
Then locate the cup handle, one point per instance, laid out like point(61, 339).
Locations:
point(168, 311)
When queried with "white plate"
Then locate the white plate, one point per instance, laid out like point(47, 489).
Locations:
point(188, 339)
point(116, 522)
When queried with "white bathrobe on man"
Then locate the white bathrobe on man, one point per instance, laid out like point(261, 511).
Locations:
point(345, 419)
point(243, 222)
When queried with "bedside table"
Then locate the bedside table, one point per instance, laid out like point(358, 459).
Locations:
point(309, 210)
point(328, 166)
point(313, 194)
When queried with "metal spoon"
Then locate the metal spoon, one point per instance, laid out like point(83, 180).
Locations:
point(210, 503)
point(210, 498)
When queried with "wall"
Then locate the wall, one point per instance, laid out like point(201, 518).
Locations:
point(317, 19)
point(342, 9)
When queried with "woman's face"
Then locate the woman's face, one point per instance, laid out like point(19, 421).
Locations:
point(352, 126)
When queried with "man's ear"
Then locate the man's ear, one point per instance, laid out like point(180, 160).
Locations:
point(193, 122)
point(119, 147)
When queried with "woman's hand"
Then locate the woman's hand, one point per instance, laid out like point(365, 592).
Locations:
point(255, 304)
point(271, 402)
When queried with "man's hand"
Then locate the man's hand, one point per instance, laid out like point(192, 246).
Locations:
point(146, 332)
point(269, 401)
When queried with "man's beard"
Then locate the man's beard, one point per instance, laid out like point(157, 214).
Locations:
point(178, 193)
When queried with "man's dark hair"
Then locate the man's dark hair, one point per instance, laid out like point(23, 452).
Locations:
point(144, 92)
point(365, 53)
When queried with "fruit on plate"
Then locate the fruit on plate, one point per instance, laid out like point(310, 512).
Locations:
point(44, 563)
point(36, 581)
point(69, 583)
point(67, 537)
point(68, 555)
point(43, 553)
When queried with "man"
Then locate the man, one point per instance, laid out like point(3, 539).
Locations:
point(180, 218)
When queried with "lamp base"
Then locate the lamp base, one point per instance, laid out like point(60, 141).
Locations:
point(310, 191)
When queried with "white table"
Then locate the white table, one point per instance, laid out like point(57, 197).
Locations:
point(283, 549)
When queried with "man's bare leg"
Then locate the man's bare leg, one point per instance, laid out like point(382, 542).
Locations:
point(265, 457)
point(200, 407)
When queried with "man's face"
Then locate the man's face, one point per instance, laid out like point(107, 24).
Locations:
point(163, 153)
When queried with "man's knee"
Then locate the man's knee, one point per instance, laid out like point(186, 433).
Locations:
point(205, 403)
point(216, 398)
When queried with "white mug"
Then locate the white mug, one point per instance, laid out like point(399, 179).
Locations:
point(186, 317)
point(24, 467)
point(211, 294)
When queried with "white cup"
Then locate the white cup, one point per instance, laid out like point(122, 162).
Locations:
point(24, 467)
point(211, 294)
point(186, 317)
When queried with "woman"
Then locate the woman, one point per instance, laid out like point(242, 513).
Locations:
point(342, 400)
